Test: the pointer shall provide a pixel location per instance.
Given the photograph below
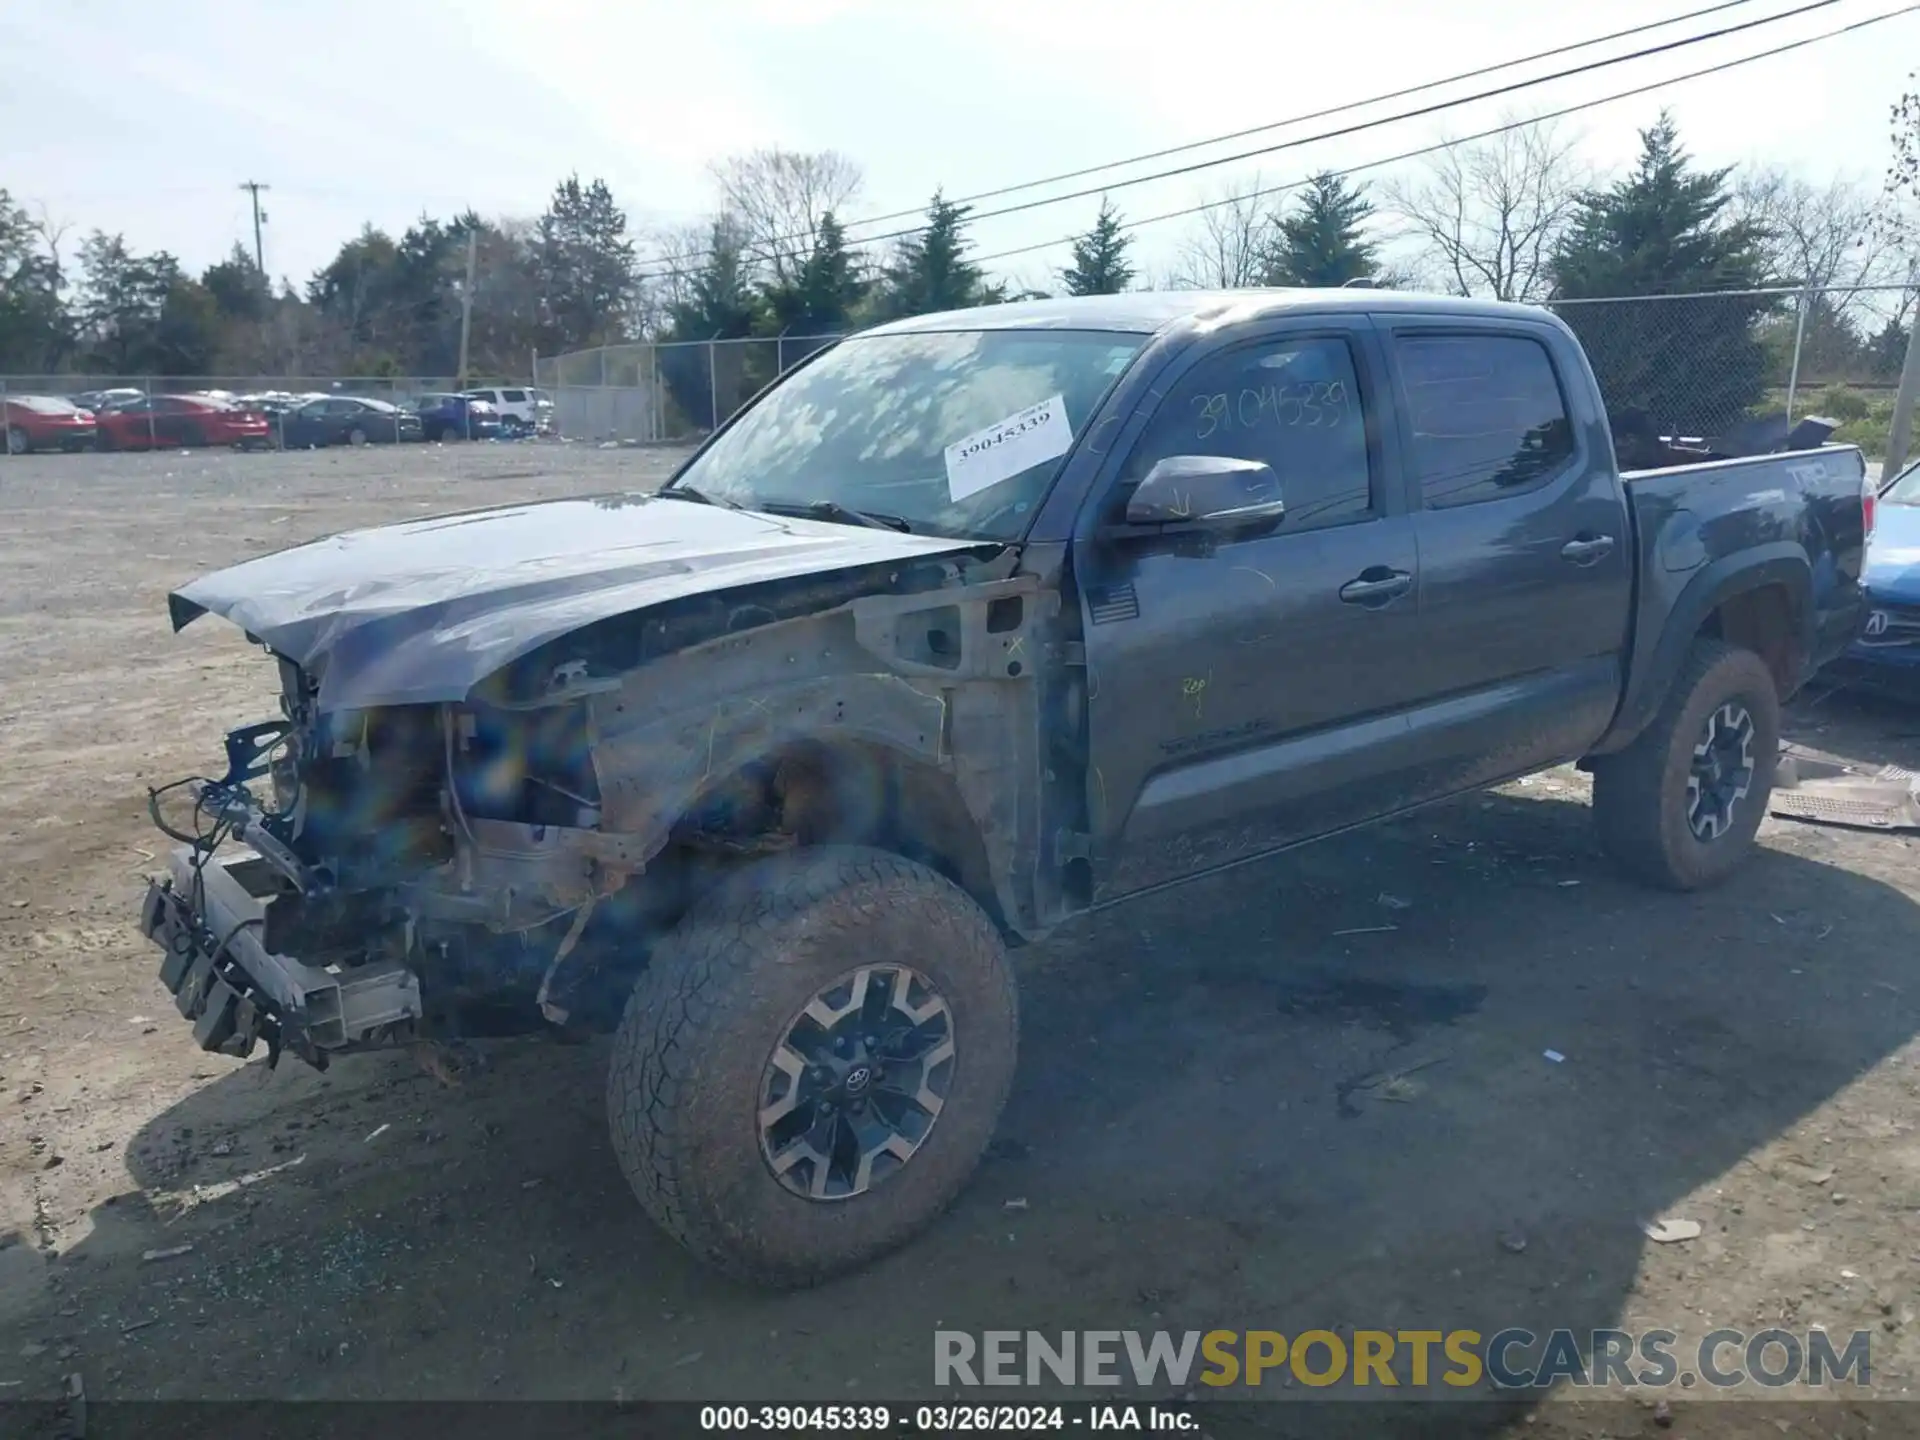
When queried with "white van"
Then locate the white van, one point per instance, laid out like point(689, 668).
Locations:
point(528, 406)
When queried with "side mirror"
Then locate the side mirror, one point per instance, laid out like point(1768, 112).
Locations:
point(1211, 491)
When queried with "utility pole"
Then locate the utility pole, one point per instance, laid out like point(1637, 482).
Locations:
point(1900, 435)
point(253, 188)
point(466, 305)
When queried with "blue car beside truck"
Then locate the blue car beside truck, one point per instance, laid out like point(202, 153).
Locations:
point(1887, 654)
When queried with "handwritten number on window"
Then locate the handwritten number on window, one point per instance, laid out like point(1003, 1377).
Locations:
point(1307, 403)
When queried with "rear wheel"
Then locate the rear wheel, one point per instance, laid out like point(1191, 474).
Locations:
point(356, 436)
point(17, 441)
point(1679, 808)
point(813, 1063)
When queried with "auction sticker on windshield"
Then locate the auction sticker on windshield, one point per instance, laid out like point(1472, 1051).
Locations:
point(1007, 447)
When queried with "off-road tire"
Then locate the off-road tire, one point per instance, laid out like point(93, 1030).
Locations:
point(691, 1054)
point(1640, 793)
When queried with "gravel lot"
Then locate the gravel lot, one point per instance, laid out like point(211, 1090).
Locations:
point(1229, 1115)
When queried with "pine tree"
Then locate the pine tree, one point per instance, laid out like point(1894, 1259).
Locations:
point(1100, 264)
point(719, 303)
point(708, 382)
point(824, 292)
point(930, 270)
point(1324, 242)
point(586, 265)
point(1693, 365)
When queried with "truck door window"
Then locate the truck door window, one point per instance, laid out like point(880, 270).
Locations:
point(1294, 404)
point(1486, 414)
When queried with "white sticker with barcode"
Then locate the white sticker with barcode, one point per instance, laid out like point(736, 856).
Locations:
point(1008, 447)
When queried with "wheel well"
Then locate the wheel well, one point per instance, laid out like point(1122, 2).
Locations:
point(844, 794)
point(1765, 620)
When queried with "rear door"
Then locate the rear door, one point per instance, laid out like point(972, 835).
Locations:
point(1246, 691)
point(1526, 568)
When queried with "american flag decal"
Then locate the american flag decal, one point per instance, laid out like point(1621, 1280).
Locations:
point(1114, 602)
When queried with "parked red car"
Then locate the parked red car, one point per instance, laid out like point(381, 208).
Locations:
point(182, 420)
point(45, 422)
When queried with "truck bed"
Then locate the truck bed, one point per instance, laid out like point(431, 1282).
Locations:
point(1798, 514)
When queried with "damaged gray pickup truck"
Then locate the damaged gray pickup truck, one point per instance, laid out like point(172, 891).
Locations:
point(969, 625)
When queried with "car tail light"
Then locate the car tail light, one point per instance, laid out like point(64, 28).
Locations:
point(1869, 505)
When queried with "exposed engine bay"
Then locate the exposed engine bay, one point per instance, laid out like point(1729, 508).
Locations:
point(500, 864)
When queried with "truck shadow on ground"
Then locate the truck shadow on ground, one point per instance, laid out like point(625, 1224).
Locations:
point(1313, 1094)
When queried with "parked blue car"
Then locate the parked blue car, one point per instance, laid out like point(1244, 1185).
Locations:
point(457, 417)
point(1888, 650)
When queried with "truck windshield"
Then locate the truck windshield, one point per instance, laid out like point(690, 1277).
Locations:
point(945, 433)
point(1906, 489)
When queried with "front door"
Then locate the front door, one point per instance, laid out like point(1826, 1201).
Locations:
point(1250, 690)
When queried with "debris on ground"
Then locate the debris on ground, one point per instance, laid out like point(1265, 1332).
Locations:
point(76, 1399)
point(1555, 1056)
point(1671, 1232)
point(1393, 902)
point(1019, 1204)
point(1797, 1167)
point(1513, 1241)
point(172, 1253)
point(1829, 793)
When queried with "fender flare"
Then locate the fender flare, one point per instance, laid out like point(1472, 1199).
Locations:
point(1653, 668)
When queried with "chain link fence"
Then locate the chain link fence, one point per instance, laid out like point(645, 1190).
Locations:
point(1695, 365)
point(670, 393)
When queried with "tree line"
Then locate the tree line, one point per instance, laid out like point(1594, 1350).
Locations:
point(1514, 217)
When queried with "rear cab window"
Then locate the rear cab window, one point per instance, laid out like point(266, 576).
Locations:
point(1486, 416)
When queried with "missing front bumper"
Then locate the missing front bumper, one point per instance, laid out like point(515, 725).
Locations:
point(210, 923)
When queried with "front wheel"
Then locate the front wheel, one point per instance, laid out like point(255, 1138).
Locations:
point(813, 1063)
point(17, 441)
point(1680, 806)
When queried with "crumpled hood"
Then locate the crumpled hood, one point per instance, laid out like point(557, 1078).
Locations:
point(423, 611)
point(1893, 555)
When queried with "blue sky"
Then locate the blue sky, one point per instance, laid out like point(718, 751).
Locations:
point(145, 118)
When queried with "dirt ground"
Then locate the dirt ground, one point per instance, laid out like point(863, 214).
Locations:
point(1314, 1093)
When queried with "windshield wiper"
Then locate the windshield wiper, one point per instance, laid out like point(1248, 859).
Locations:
point(687, 492)
point(834, 510)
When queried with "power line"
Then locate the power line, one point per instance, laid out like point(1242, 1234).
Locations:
point(1345, 130)
point(1487, 134)
point(1302, 119)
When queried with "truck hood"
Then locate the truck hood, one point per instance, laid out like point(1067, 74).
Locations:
point(423, 611)
point(1893, 555)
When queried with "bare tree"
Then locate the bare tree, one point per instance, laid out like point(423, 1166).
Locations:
point(1820, 235)
point(780, 197)
point(1230, 244)
point(1485, 215)
point(675, 256)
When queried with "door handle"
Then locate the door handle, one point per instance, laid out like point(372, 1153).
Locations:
point(1587, 549)
point(1376, 589)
